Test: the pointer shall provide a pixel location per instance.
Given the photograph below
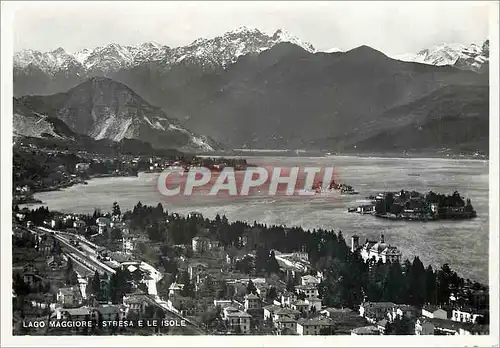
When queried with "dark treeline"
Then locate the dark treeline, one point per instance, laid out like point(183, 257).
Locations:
point(446, 206)
point(348, 279)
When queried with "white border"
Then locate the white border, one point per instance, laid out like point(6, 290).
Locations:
point(7, 339)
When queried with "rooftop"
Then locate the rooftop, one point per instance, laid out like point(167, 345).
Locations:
point(108, 309)
point(430, 308)
point(67, 291)
point(316, 321)
point(339, 310)
point(239, 314)
point(300, 303)
point(84, 310)
point(286, 311)
point(309, 277)
point(272, 308)
point(378, 305)
point(449, 325)
point(382, 322)
point(366, 330)
point(287, 319)
point(305, 287)
point(252, 297)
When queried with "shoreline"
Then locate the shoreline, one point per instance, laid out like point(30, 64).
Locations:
point(74, 182)
point(362, 155)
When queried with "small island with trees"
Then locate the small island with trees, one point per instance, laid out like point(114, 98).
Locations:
point(413, 205)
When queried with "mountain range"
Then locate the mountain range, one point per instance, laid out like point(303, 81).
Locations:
point(471, 57)
point(57, 71)
point(247, 89)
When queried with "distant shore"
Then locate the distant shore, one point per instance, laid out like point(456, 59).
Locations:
point(312, 153)
point(77, 182)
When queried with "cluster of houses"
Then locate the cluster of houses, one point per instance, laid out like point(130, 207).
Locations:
point(300, 312)
point(297, 311)
point(285, 315)
point(430, 320)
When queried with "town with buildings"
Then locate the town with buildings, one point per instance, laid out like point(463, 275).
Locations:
point(201, 276)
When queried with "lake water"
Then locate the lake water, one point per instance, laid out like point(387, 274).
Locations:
point(462, 244)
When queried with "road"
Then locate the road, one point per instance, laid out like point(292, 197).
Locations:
point(86, 257)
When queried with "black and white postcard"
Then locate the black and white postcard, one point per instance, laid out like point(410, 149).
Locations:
point(249, 173)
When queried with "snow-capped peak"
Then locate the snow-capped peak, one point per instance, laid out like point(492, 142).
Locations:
point(455, 54)
point(283, 36)
point(218, 51)
point(243, 29)
point(82, 55)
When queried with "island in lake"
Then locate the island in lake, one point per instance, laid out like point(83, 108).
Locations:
point(413, 205)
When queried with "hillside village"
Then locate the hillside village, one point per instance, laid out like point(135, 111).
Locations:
point(228, 278)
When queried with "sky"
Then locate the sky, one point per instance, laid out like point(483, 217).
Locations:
point(392, 27)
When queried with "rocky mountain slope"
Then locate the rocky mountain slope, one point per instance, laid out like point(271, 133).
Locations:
point(57, 71)
point(105, 109)
point(453, 119)
point(30, 123)
point(471, 57)
point(287, 97)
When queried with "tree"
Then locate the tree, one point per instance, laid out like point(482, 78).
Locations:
point(430, 286)
point(188, 290)
point(246, 265)
point(290, 284)
point(251, 289)
point(380, 207)
point(444, 278)
point(19, 286)
point(272, 264)
point(400, 326)
point(143, 287)
point(95, 285)
point(261, 259)
point(105, 232)
point(116, 211)
point(116, 234)
point(70, 276)
point(222, 290)
point(272, 294)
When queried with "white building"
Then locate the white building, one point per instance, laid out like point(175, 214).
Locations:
point(434, 312)
point(82, 167)
point(202, 244)
point(309, 280)
point(237, 320)
point(252, 302)
point(465, 315)
point(370, 330)
point(128, 245)
point(311, 291)
point(376, 251)
point(313, 326)
point(103, 223)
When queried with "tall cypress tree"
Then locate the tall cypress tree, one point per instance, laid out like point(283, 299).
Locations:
point(430, 286)
point(95, 285)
